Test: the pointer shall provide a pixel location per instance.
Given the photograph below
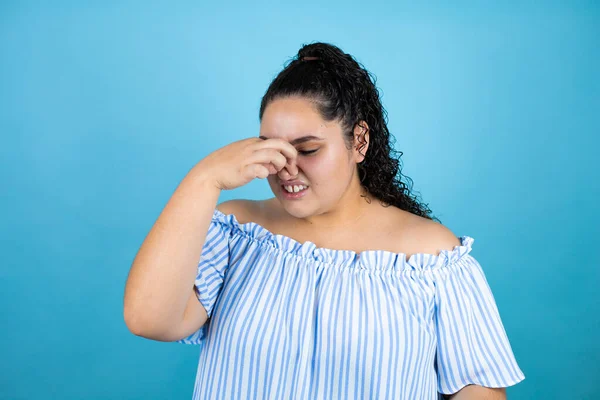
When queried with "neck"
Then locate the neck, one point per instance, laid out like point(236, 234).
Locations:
point(348, 211)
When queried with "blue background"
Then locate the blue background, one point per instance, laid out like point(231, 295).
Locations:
point(104, 108)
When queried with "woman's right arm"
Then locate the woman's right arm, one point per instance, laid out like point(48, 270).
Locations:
point(160, 302)
point(160, 284)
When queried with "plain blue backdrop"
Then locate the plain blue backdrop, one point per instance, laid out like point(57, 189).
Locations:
point(105, 106)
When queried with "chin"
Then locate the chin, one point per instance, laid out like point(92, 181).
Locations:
point(297, 210)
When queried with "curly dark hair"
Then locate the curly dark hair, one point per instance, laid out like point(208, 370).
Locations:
point(345, 91)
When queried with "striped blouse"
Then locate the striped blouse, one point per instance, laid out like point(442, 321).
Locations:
point(290, 320)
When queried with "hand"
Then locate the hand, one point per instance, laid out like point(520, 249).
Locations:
point(238, 163)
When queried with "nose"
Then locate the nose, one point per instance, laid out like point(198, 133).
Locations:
point(285, 175)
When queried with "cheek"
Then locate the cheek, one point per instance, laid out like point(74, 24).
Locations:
point(324, 168)
point(317, 168)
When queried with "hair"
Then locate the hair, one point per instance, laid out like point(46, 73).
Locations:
point(343, 90)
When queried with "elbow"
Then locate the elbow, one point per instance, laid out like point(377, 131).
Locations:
point(139, 325)
point(133, 322)
point(148, 328)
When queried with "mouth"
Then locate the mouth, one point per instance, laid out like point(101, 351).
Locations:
point(293, 192)
point(294, 188)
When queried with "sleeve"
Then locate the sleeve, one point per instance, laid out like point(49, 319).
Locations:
point(212, 266)
point(472, 345)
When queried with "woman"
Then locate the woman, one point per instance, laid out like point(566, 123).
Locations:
point(340, 286)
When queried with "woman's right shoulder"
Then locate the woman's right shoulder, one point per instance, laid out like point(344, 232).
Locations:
point(246, 210)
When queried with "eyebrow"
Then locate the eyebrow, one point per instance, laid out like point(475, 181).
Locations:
point(299, 140)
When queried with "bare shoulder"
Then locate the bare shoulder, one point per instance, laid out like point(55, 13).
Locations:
point(416, 234)
point(244, 210)
point(440, 236)
point(238, 207)
point(435, 237)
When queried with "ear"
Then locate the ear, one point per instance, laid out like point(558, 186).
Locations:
point(361, 141)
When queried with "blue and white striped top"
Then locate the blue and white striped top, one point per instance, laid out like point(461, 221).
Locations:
point(291, 320)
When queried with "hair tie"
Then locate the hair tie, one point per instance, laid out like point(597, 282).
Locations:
point(309, 58)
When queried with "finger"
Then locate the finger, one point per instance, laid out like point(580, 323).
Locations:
point(260, 171)
point(252, 171)
point(283, 146)
point(284, 175)
point(272, 169)
point(292, 168)
point(266, 156)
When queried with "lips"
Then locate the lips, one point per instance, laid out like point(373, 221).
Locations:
point(292, 183)
point(294, 188)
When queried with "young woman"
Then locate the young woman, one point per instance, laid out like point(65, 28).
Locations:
point(341, 286)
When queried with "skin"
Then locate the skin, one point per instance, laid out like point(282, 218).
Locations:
point(160, 302)
point(334, 190)
point(475, 392)
point(334, 209)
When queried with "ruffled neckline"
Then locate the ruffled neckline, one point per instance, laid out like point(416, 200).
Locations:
point(380, 260)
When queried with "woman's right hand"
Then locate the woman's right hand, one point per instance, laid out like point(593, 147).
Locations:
point(240, 162)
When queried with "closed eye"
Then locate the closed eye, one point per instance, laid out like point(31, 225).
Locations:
point(307, 152)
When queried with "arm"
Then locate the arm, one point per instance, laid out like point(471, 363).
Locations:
point(475, 392)
point(466, 289)
point(160, 302)
point(160, 284)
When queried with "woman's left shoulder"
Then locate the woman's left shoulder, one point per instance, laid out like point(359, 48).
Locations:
point(439, 234)
point(425, 235)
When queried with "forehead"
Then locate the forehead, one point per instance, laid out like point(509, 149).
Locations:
point(293, 118)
